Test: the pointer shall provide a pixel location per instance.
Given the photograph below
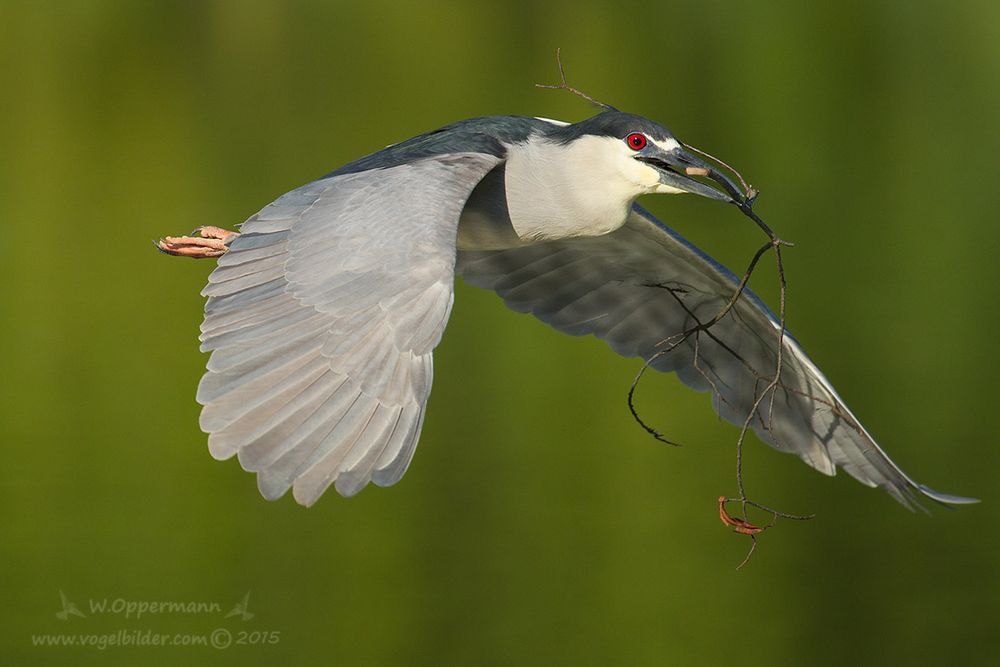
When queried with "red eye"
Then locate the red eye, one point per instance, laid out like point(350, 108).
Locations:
point(636, 141)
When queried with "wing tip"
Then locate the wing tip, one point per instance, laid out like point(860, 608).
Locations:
point(945, 499)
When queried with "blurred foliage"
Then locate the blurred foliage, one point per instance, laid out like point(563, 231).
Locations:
point(537, 524)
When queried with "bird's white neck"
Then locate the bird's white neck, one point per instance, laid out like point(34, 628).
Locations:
point(584, 188)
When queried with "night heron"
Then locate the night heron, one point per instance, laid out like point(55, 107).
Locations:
point(324, 310)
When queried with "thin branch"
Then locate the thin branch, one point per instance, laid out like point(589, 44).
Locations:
point(635, 384)
point(563, 85)
point(743, 525)
point(749, 191)
point(770, 389)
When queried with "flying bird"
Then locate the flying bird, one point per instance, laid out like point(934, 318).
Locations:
point(324, 310)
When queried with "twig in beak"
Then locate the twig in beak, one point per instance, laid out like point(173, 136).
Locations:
point(696, 171)
point(748, 190)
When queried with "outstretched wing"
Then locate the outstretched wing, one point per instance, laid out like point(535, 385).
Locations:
point(640, 286)
point(321, 319)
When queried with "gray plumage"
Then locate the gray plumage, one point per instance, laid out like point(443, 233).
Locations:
point(323, 314)
point(321, 319)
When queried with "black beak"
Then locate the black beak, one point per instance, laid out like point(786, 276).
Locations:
point(678, 168)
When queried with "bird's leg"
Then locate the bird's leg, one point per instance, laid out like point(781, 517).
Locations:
point(209, 242)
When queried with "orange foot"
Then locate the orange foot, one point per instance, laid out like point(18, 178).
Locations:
point(210, 242)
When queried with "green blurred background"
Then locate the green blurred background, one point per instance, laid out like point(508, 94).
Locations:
point(538, 523)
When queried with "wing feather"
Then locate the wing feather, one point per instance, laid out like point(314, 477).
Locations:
point(641, 285)
point(393, 463)
point(321, 320)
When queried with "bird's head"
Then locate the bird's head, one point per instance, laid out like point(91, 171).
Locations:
point(581, 179)
point(644, 157)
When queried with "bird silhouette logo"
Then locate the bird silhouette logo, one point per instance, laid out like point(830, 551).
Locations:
point(68, 608)
point(240, 609)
